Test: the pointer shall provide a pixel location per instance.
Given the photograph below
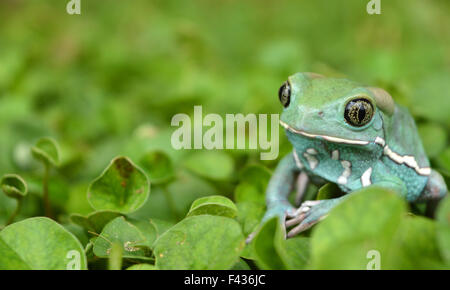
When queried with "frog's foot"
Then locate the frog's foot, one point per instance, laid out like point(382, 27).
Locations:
point(307, 215)
point(281, 210)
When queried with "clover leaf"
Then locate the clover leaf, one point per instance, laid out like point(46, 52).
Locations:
point(122, 187)
point(213, 205)
point(14, 186)
point(200, 243)
point(46, 149)
point(40, 243)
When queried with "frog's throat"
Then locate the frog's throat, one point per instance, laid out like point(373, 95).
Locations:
point(408, 160)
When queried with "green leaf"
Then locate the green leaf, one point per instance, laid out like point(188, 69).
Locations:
point(124, 233)
point(215, 165)
point(200, 243)
point(249, 215)
point(122, 187)
point(46, 150)
point(40, 243)
point(161, 226)
point(328, 191)
point(213, 205)
point(267, 257)
point(158, 166)
point(443, 228)
point(14, 186)
point(10, 260)
point(273, 252)
point(366, 221)
point(414, 246)
point(142, 267)
point(295, 252)
point(434, 138)
point(148, 230)
point(94, 221)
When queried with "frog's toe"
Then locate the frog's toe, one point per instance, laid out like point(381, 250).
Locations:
point(307, 215)
point(305, 207)
point(303, 226)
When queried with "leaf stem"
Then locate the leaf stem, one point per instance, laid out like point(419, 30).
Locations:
point(47, 207)
point(15, 212)
point(115, 257)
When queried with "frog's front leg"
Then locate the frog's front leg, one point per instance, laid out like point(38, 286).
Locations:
point(313, 211)
point(279, 188)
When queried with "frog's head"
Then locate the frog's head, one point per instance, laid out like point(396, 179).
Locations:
point(335, 110)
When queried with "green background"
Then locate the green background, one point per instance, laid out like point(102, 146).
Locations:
point(107, 83)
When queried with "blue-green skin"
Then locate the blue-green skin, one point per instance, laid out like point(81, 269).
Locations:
point(317, 107)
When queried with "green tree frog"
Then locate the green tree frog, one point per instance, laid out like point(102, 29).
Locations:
point(351, 135)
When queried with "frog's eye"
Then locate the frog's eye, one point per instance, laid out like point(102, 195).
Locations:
point(359, 112)
point(284, 94)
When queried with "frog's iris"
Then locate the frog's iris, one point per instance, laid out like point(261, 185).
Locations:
point(284, 94)
point(359, 112)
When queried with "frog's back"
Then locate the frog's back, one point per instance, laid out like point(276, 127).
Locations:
point(404, 149)
point(403, 137)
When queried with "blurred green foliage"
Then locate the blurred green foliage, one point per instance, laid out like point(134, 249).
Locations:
point(107, 83)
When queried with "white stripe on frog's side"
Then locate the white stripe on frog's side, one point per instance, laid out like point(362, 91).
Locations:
point(297, 160)
point(365, 178)
point(312, 160)
point(346, 173)
point(408, 160)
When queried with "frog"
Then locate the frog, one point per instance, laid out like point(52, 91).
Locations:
point(348, 134)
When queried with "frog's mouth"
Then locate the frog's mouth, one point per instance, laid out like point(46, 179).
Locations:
point(408, 160)
point(325, 137)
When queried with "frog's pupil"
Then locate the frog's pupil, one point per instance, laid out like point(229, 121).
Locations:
point(361, 113)
point(358, 112)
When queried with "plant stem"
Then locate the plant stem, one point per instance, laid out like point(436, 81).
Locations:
point(115, 257)
point(170, 202)
point(16, 211)
point(47, 207)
